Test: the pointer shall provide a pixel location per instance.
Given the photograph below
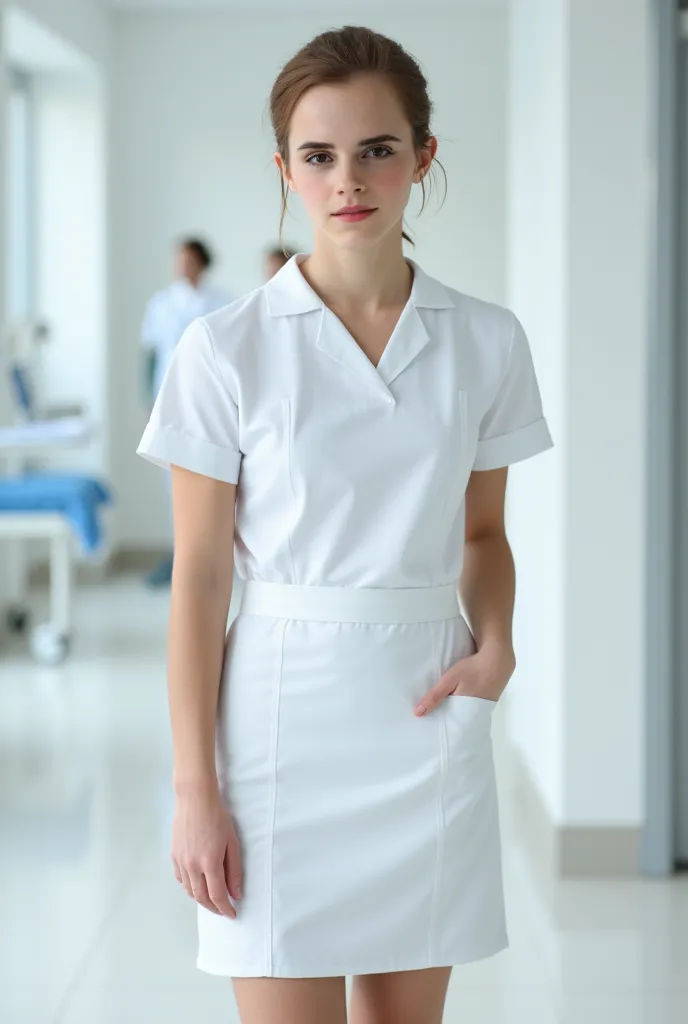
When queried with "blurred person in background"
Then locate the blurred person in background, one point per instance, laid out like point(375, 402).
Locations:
point(275, 259)
point(168, 313)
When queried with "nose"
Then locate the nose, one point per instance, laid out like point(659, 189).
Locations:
point(349, 182)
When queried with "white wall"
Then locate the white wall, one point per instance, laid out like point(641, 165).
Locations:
point(70, 195)
point(578, 186)
point(538, 97)
point(607, 413)
point(68, 124)
point(83, 23)
point(4, 387)
point(192, 151)
point(65, 46)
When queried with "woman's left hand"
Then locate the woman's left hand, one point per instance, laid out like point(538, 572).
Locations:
point(484, 674)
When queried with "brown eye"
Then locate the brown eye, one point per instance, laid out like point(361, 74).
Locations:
point(379, 152)
point(318, 159)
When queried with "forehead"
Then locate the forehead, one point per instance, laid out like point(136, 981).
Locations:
point(342, 113)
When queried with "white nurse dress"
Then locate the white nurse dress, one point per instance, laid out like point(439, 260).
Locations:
point(370, 837)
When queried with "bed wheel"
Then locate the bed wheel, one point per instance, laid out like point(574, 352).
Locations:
point(48, 646)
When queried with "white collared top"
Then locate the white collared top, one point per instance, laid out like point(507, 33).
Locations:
point(348, 474)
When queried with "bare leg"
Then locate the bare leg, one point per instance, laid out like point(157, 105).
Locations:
point(404, 997)
point(291, 1000)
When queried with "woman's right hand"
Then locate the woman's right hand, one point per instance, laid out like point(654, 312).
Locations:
point(205, 851)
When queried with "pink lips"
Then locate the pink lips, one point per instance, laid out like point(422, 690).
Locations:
point(351, 214)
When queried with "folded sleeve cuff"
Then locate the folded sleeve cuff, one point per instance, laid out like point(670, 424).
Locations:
point(167, 447)
point(496, 452)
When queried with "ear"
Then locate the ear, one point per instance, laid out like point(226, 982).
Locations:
point(281, 167)
point(425, 157)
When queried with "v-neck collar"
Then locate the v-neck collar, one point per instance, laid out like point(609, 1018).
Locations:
point(289, 294)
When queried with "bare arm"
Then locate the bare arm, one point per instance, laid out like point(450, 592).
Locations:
point(201, 592)
point(487, 588)
point(205, 850)
point(488, 582)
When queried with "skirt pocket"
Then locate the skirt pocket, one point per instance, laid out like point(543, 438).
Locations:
point(469, 725)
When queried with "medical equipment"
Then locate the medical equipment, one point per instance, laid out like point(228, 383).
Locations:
point(39, 505)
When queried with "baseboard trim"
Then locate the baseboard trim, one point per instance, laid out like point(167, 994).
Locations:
point(120, 561)
point(572, 851)
point(601, 852)
point(140, 560)
point(84, 573)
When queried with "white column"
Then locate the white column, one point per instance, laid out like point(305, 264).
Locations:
point(538, 100)
point(4, 394)
point(5, 582)
point(607, 416)
point(577, 277)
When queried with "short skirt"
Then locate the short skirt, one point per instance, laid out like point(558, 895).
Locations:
point(370, 837)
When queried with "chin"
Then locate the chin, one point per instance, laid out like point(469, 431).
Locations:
point(354, 239)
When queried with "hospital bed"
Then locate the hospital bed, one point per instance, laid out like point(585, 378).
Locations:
point(46, 506)
point(35, 504)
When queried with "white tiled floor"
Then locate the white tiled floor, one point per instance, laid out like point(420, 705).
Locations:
point(94, 929)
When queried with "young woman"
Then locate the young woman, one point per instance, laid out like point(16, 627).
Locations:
point(336, 810)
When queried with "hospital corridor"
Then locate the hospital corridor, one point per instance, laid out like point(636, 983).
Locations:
point(170, 287)
point(95, 927)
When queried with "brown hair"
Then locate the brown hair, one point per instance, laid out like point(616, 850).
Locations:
point(336, 56)
point(200, 250)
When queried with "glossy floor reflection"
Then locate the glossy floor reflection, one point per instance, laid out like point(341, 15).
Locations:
point(94, 929)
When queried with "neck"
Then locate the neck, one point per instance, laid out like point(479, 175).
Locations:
point(365, 280)
point(193, 279)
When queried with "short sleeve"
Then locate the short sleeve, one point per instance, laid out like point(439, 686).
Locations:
point(513, 428)
point(195, 420)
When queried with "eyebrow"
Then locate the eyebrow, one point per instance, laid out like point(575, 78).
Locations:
point(374, 141)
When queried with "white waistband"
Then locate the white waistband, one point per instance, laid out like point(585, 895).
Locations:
point(350, 604)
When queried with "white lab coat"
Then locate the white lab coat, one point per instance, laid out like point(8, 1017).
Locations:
point(169, 312)
point(370, 836)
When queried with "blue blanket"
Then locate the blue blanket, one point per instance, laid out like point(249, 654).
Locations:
point(78, 498)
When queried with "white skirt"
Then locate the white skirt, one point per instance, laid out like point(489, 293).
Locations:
point(370, 837)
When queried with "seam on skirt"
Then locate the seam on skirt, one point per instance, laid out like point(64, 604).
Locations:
point(439, 808)
point(274, 742)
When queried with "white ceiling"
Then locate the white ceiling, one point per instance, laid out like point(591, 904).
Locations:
point(32, 47)
point(340, 9)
